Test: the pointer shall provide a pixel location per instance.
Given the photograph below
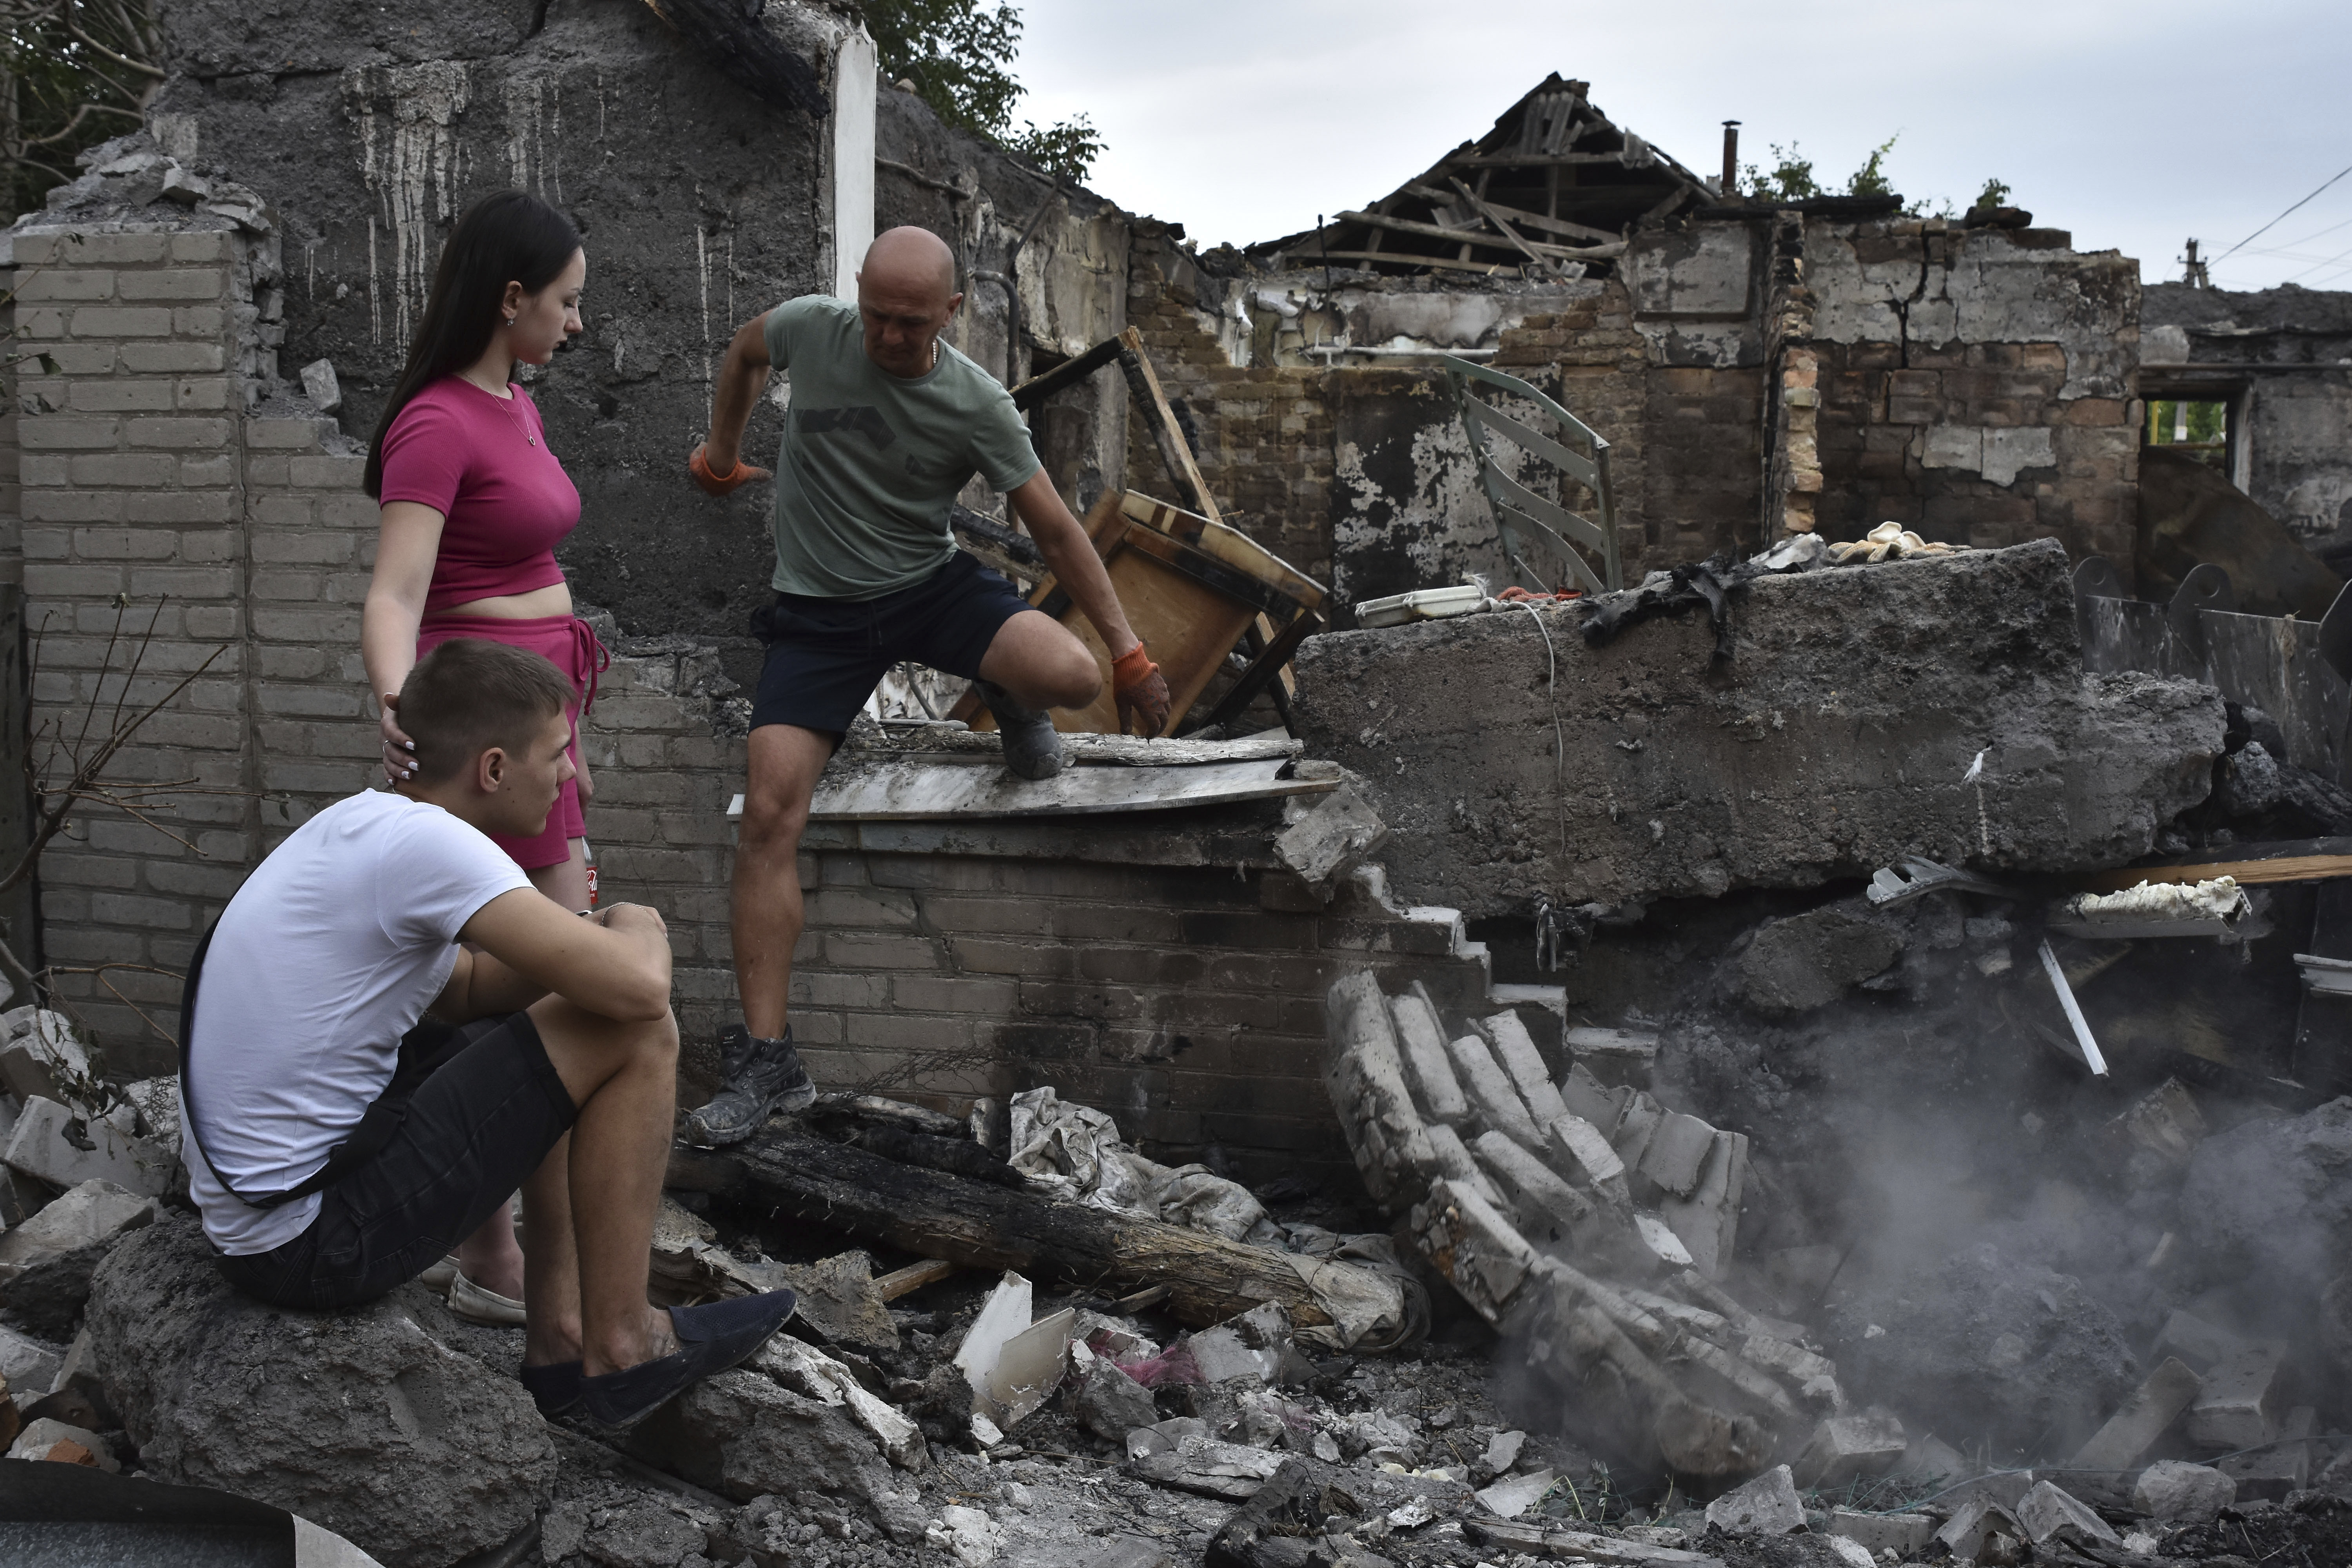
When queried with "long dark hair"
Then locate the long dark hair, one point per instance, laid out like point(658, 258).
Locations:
point(511, 236)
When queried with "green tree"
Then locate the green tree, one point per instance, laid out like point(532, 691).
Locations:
point(960, 54)
point(72, 73)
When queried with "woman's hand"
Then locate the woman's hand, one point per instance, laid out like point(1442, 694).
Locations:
point(399, 750)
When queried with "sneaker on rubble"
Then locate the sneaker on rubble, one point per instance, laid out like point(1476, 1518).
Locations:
point(1032, 748)
point(763, 1076)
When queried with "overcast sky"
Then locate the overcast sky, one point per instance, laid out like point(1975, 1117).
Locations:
point(2135, 125)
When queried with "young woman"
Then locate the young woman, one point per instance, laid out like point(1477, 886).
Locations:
point(474, 504)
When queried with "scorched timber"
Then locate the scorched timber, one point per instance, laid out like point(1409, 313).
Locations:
point(935, 1215)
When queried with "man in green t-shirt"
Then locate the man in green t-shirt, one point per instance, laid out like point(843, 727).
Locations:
point(887, 424)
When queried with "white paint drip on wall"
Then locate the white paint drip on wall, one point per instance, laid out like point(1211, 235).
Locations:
point(702, 267)
point(375, 294)
point(416, 175)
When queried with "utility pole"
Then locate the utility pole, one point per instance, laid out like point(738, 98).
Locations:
point(2195, 275)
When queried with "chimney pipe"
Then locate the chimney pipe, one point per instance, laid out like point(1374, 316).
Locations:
point(1730, 160)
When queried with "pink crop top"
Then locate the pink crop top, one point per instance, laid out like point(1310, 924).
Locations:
point(483, 464)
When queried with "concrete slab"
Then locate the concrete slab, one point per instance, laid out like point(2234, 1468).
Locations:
point(2147, 1415)
point(2239, 1405)
point(48, 1143)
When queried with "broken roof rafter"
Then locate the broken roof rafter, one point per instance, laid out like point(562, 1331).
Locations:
point(1549, 155)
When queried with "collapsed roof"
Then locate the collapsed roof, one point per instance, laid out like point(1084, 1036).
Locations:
point(1552, 189)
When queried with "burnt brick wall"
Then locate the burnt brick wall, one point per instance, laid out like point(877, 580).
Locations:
point(1998, 406)
point(1263, 433)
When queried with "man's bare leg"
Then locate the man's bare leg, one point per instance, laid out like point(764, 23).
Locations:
point(490, 1256)
point(1038, 659)
point(593, 1199)
point(766, 914)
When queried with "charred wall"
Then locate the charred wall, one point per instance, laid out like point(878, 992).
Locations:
point(2283, 360)
point(701, 204)
point(1976, 386)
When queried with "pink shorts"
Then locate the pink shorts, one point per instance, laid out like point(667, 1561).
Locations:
point(568, 643)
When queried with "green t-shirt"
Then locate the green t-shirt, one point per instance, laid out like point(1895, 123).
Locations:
point(871, 462)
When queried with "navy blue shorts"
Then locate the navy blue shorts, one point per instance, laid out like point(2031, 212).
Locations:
point(826, 655)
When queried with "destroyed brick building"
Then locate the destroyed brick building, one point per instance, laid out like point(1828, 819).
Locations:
point(1638, 1044)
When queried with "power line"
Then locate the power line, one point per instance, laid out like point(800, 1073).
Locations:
point(2274, 222)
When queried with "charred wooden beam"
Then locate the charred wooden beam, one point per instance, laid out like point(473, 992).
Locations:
point(934, 1215)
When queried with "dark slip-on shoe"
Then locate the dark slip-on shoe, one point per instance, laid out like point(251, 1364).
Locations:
point(711, 1338)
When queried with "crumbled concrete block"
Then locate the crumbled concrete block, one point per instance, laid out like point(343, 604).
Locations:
point(1503, 1452)
point(319, 383)
point(51, 1143)
point(2238, 1407)
point(50, 1439)
point(1848, 1447)
point(2049, 1514)
point(2165, 1123)
point(184, 187)
point(2284, 1466)
point(1453, 1160)
point(1426, 1063)
point(1110, 1404)
point(1635, 1122)
point(2147, 1415)
point(1677, 1152)
point(1587, 1096)
point(1615, 1056)
point(1329, 840)
point(1477, 1250)
point(1660, 1238)
point(1768, 1505)
point(1488, 1089)
point(1906, 1534)
point(26, 1364)
point(1364, 1074)
point(1974, 1523)
point(40, 1056)
point(1515, 1049)
point(1547, 1208)
point(2181, 1493)
point(1578, 1147)
point(1852, 1553)
point(1709, 1220)
point(46, 1263)
point(805, 1370)
point(2200, 1344)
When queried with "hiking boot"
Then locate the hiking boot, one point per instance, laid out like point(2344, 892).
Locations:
point(1032, 749)
point(763, 1076)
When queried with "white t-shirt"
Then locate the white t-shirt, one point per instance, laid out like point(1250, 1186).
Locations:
point(329, 952)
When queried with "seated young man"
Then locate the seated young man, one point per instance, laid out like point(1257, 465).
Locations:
point(338, 1141)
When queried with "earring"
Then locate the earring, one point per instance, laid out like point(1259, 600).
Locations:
point(510, 321)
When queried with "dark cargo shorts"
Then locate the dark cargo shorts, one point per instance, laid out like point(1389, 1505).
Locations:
point(826, 655)
point(473, 1129)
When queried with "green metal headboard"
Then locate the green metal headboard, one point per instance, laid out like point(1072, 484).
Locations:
point(1559, 531)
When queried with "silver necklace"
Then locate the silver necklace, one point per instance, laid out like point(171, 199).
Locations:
point(507, 404)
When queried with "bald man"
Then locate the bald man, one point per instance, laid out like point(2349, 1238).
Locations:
point(887, 425)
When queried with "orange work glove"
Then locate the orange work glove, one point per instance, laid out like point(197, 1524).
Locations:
point(741, 474)
point(1140, 693)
